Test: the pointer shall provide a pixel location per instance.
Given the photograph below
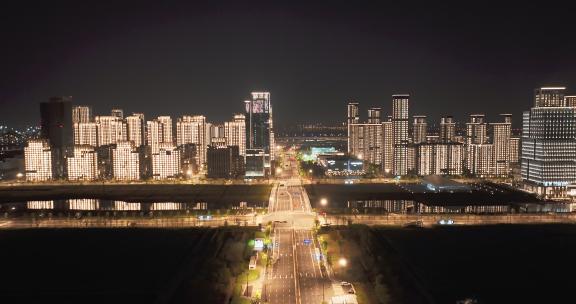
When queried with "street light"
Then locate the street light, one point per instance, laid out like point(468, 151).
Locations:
point(342, 262)
point(324, 202)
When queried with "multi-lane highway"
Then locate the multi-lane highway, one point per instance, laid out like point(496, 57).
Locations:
point(296, 275)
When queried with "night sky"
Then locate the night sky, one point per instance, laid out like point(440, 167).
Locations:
point(205, 58)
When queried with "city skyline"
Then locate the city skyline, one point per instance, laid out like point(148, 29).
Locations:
point(195, 56)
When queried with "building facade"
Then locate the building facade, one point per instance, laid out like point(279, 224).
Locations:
point(166, 163)
point(224, 162)
point(502, 132)
point(135, 128)
point(111, 130)
point(193, 130)
point(56, 127)
point(83, 165)
point(235, 133)
point(259, 134)
point(81, 114)
point(548, 157)
point(126, 161)
point(400, 133)
point(38, 160)
point(420, 129)
point(86, 133)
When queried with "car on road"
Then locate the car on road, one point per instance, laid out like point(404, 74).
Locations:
point(446, 222)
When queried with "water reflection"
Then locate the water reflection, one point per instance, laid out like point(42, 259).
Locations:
point(88, 204)
point(410, 207)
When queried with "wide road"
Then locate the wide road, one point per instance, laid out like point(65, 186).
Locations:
point(296, 275)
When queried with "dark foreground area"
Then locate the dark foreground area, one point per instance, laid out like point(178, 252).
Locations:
point(212, 194)
point(486, 264)
point(121, 265)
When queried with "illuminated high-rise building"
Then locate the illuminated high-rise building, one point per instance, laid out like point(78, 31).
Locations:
point(158, 131)
point(166, 128)
point(480, 159)
point(111, 130)
point(548, 157)
point(400, 133)
point(476, 160)
point(502, 132)
point(366, 138)
point(235, 133)
point(439, 158)
point(570, 101)
point(374, 115)
point(86, 133)
point(549, 97)
point(259, 134)
point(193, 130)
point(81, 114)
point(514, 150)
point(135, 128)
point(353, 118)
point(83, 164)
point(126, 161)
point(447, 129)
point(476, 130)
point(420, 129)
point(38, 160)
point(166, 163)
point(387, 146)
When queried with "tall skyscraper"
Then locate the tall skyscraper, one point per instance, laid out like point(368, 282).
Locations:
point(387, 146)
point(366, 138)
point(166, 163)
point(38, 160)
point(480, 159)
point(166, 128)
point(479, 154)
point(476, 130)
point(235, 133)
point(126, 161)
point(447, 129)
point(111, 130)
point(56, 127)
point(514, 150)
point(81, 114)
point(83, 165)
point(158, 131)
point(420, 129)
point(502, 132)
point(86, 133)
point(135, 128)
point(548, 161)
point(223, 162)
point(400, 133)
point(353, 118)
point(259, 134)
point(193, 130)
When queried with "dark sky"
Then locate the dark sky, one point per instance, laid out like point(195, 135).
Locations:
point(205, 58)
